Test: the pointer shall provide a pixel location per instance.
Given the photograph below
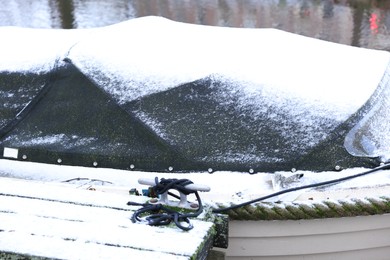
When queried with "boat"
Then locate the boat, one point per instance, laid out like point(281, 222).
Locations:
point(260, 115)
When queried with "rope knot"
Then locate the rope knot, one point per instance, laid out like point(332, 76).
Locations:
point(164, 185)
point(158, 214)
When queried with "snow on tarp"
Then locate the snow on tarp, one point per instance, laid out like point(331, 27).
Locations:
point(151, 93)
point(370, 136)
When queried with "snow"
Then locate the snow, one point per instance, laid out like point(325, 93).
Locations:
point(61, 213)
point(69, 142)
point(53, 247)
point(161, 54)
point(34, 50)
point(308, 82)
point(137, 58)
point(65, 221)
point(226, 187)
point(142, 56)
point(91, 223)
point(369, 137)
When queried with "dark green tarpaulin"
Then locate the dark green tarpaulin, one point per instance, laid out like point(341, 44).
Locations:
point(64, 117)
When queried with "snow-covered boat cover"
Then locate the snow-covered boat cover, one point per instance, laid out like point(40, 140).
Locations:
point(152, 94)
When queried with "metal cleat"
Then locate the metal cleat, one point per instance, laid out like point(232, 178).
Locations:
point(183, 202)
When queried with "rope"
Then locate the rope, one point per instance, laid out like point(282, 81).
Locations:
point(271, 211)
point(324, 209)
point(166, 184)
point(162, 215)
point(324, 183)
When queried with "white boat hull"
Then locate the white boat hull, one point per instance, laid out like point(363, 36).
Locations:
point(363, 237)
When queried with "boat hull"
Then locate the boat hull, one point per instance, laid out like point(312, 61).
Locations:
point(362, 237)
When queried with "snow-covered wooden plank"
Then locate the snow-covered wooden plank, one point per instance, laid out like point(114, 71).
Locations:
point(60, 221)
point(63, 192)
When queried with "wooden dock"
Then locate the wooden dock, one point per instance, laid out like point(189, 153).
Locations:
point(41, 220)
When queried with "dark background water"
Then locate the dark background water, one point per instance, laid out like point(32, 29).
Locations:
point(364, 23)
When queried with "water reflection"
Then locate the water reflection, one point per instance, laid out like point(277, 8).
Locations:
point(362, 23)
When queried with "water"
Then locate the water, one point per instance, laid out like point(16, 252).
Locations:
point(363, 23)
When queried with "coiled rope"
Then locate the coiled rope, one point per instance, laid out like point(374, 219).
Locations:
point(162, 215)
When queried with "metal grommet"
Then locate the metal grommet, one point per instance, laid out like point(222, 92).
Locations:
point(24, 157)
point(170, 168)
point(59, 160)
point(251, 171)
point(132, 166)
point(210, 170)
point(95, 164)
point(293, 170)
point(337, 167)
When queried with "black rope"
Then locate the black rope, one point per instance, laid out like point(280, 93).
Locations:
point(382, 167)
point(162, 215)
point(166, 184)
